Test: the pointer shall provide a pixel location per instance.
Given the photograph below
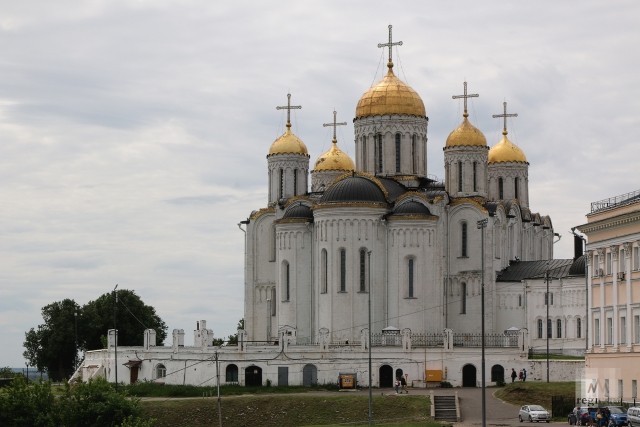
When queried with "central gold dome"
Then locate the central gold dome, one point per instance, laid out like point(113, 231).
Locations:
point(334, 159)
point(506, 151)
point(390, 96)
point(288, 143)
point(466, 135)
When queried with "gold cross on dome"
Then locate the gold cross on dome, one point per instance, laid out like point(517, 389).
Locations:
point(465, 96)
point(390, 44)
point(505, 115)
point(289, 107)
point(334, 124)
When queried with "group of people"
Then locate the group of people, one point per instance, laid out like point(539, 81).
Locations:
point(592, 416)
point(401, 385)
point(522, 375)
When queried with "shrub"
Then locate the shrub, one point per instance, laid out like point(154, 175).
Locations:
point(445, 384)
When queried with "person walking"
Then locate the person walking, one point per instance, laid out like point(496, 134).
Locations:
point(524, 375)
point(403, 383)
point(513, 375)
point(397, 385)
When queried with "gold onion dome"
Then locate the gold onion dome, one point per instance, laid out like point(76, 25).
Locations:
point(334, 159)
point(288, 143)
point(506, 151)
point(466, 135)
point(390, 96)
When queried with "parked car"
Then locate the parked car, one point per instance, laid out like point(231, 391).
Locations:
point(618, 416)
point(533, 413)
point(633, 416)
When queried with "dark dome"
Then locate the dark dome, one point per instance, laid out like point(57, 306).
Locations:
point(577, 268)
point(298, 211)
point(411, 208)
point(354, 189)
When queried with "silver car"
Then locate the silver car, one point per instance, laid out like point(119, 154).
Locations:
point(533, 413)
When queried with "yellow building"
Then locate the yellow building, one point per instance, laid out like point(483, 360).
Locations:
point(612, 365)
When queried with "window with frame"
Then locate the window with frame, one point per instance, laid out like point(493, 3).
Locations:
point(414, 154)
point(475, 176)
point(463, 298)
point(539, 328)
point(548, 298)
point(623, 330)
point(549, 328)
point(596, 331)
point(323, 271)
point(398, 153)
point(519, 300)
point(621, 261)
point(463, 240)
point(231, 373)
point(161, 371)
point(636, 328)
point(609, 331)
point(596, 265)
point(273, 301)
point(608, 262)
point(363, 270)
point(286, 282)
point(364, 152)
point(410, 276)
point(558, 328)
point(578, 328)
point(281, 186)
point(515, 187)
point(295, 182)
point(459, 176)
point(379, 148)
point(500, 188)
point(636, 258)
point(343, 270)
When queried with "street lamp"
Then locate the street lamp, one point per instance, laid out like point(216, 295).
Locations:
point(369, 302)
point(115, 334)
point(482, 224)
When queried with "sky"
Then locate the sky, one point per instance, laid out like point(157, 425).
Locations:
point(134, 134)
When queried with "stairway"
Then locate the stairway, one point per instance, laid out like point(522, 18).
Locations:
point(445, 408)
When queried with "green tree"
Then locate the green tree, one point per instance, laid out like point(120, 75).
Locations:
point(233, 339)
point(52, 346)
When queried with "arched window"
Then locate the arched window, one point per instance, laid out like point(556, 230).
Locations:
point(559, 328)
point(363, 270)
point(500, 188)
point(323, 271)
point(410, 276)
point(578, 328)
point(463, 298)
point(475, 176)
point(549, 328)
point(459, 176)
point(463, 240)
point(231, 374)
point(398, 153)
point(515, 186)
point(161, 371)
point(539, 328)
point(343, 270)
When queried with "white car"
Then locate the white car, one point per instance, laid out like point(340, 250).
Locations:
point(533, 413)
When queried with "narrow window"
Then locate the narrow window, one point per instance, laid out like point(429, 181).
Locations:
point(343, 270)
point(558, 328)
point(323, 271)
point(379, 153)
point(596, 265)
point(475, 176)
point(623, 330)
point(363, 270)
point(634, 388)
point(273, 301)
point(414, 154)
point(578, 328)
point(620, 389)
point(609, 331)
point(515, 187)
point(463, 241)
point(295, 182)
point(364, 152)
point(398, 159)
point(410, 277)
point(596, 331)
point(549, 329)
point(608, 262)
point(281, 188)
point(636, 258)
point(636, 329)
point(500, 188)
point(459, 176)
point(621, 263)
point(463, 298)
point(539, 328)
point(287, 282)
point(519, 300)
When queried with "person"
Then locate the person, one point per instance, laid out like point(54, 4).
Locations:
point(520, 375)
point(397, 385)
point(524, 375)
point(403, 382)
point(513, 375)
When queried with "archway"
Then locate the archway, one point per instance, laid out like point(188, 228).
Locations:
point(231, 374)
point(309, 375)
point(386, 376)
point(253, 376)
point(469, 376)
point(497, 374)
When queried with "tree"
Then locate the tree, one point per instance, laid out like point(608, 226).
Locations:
point(52, 346)
point(233, 339)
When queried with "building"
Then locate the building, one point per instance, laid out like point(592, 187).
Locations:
point(613, 262)
point(374, 253)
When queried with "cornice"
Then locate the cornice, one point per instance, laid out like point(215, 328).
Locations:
point(610, 223)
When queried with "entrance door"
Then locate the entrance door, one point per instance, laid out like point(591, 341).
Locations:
point(283, 375)
point(469, 376)
point(386, 376)
point(253, 376)
point(133, 374)
point(309, 375)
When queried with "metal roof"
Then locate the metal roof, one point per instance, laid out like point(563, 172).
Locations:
point(521, 270)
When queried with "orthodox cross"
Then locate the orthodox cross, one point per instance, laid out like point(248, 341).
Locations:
point(390, 44)
point(289, 107)
point(465, 96)
point(334, 124)
point(505, 115)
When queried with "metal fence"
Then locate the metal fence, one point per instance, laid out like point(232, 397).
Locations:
point(490, 340)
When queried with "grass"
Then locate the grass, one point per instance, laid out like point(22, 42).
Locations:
point(540, 393)
point(543, 356)
point(151, 389)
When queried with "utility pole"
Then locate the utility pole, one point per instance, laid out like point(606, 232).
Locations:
point(549, 327)
point(370, 376)
point(482, 224)
point(218, 385)
point(115, 333)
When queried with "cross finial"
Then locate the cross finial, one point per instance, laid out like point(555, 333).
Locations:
point(289, 107)
point(465, 96)
point(505, 115)
point(334, 124)
point(390, 45)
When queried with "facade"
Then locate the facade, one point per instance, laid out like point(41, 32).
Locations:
point(613, 258)
point(374, 254)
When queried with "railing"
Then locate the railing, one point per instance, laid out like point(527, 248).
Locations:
point(427, 340)
point(615, 201)
point(490, 340)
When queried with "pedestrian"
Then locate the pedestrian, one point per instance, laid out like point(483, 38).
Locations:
point(520, 375)
point(524, 375)
point(397, 385)
point(403, 383)
point(513, 375)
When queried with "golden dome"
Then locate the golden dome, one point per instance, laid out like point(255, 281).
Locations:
point(466, 135)
point(288, 143)
point(390, 96)
point(334, 159)
point(506, 151)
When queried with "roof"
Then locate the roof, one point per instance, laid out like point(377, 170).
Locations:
point(521, 270)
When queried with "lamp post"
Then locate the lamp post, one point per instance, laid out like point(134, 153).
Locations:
point(482, 224)
point(369, 303)
point(549, 327)
point(75, 339)
point(115, 334)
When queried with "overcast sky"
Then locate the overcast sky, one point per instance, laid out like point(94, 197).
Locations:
point(133, 134)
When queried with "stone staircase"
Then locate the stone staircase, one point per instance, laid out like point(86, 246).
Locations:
point(445, 408)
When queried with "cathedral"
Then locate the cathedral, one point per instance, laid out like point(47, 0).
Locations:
point(375, 269)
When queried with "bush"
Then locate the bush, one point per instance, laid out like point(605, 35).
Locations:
point(445, 384)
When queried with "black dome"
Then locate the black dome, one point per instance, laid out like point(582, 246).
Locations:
point(577, 268)
point(354, 189)
point(411, 208)
point(298, 211)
